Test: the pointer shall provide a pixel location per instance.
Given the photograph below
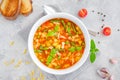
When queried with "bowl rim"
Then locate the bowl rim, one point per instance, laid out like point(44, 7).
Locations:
point(73, 67)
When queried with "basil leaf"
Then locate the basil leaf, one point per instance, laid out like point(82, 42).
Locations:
point(56, 28)
point(73, 43)
point(78, 48)
point(59, 57)
point(93, 46)
point(54, 20)
point(61, 49)
point(92, 50)
point(57, 67)
point(68, 30)
point(53, 51)
point(67, 42)
point(96, 50)
point(50, 57)
point(37, 51)
point(72, 49)
point(38, 36)
point(69, 24)
point(43, 48)
point(92, 57)
point(51, 33)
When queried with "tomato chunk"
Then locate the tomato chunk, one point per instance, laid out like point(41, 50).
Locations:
point(82, 13)
point(107, 31)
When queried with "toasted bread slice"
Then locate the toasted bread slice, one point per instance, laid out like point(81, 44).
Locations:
point(10, 8)
point(26, 7)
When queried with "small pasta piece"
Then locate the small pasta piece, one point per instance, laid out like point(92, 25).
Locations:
point(77, 58)
point(54, 64)
point(80, 42)
point(18, 63)
point(66, 65)
point(61, 61)
point(63, 43)
point(73, 61)
point(25, 51)
point(55, 44)
point(12, 43)
point(48, 44)
point(23, 78)
point(58, 46)
point(50, 65)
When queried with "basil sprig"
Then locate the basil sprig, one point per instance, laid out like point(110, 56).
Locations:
point(52, 33)
point(76, 48)
point(51, 56)
point(93, 51)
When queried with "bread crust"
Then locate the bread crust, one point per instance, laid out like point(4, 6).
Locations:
point(10, 8)
point(26, 7)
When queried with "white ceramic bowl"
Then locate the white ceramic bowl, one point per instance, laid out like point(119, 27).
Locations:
point(75, 66)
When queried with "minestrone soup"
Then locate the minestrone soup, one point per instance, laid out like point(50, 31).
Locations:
point(58, 43)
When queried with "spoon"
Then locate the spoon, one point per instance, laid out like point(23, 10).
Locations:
point(50, 9)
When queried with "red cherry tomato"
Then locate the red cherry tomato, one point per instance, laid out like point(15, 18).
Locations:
point(107, 31)
point(82, 13)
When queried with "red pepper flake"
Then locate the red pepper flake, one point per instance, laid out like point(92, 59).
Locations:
point(82, 13)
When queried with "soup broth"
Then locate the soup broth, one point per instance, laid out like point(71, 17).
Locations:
point(58, 43)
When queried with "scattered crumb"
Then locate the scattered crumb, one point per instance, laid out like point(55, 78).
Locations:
point(32, 73)
point(23, 78)
point(7, 63)
point(42, 76)
point(12, 43)
point(18, 63)
point(25, 51)
point(33, 78)
point(27, 62)
point(38, 78)
point(12, 61)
